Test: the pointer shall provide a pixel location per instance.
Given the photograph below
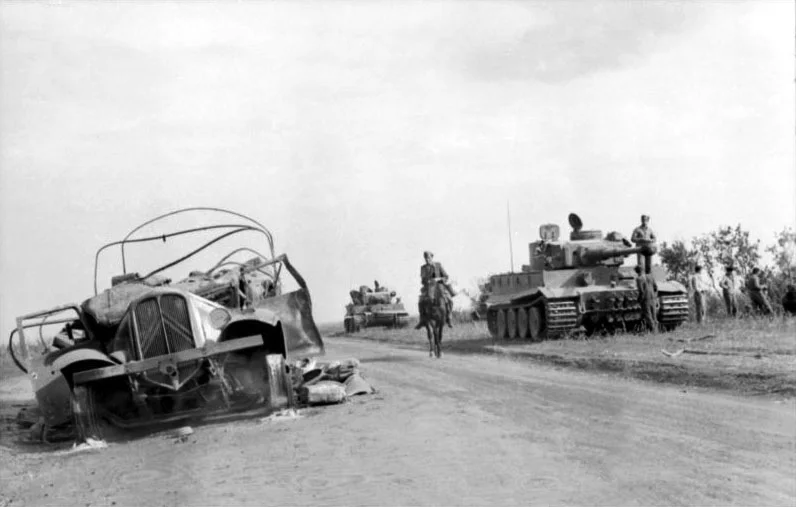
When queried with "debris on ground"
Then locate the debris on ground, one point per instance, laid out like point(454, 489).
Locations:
point(89, 444)
point(689, 340)
point(288, 414)
point(318, 383)
point(180, 435)
point(707, 353)
point(322, 393)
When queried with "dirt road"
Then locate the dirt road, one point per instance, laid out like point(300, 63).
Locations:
point(464, 430)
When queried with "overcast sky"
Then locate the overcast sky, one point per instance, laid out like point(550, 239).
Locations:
point(362, 133)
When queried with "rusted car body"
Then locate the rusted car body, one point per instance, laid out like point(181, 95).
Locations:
point(146, 352)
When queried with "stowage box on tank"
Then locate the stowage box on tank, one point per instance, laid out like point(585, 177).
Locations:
point(578, 283)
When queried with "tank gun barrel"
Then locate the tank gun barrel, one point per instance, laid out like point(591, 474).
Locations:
point(600, 254)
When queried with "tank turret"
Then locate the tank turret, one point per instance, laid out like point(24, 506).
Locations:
point(584, 249)
point(579, 283)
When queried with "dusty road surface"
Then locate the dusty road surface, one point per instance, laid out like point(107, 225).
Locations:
point(464, 430)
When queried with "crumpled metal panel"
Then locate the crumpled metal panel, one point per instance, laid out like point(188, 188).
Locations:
point(295, 313)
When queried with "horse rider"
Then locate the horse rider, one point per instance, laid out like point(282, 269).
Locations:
point(428, 272)
point(643, 235)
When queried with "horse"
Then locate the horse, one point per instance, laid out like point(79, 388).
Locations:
point(434, 315)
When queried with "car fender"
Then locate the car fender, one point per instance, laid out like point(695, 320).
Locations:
point(52, 382)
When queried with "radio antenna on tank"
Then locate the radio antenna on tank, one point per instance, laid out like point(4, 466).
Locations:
point(511, 248)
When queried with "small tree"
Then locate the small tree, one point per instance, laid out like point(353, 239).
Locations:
point(679, 259)
point(727, 245)
point(732, 246)
point(784, 253)
point(783, 272)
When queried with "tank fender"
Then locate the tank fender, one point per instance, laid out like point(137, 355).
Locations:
point(671, 286)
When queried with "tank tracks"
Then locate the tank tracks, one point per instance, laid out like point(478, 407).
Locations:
point(561, 316)
point(674, 310)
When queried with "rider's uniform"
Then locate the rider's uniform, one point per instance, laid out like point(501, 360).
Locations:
point(429, 272)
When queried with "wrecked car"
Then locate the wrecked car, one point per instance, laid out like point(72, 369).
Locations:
point(145, 352)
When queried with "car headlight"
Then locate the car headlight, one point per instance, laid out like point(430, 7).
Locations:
point(219, 318)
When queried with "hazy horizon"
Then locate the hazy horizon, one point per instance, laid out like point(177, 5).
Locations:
point(362, 134)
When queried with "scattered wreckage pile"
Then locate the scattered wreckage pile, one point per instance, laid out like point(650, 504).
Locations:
point(321, 383)
point(147, 353)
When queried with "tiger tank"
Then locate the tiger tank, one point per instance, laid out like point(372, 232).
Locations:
point(580, 284)
point(379, 308)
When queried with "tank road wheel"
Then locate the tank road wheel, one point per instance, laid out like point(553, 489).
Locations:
point(522, 323)
point(536, 328)
point(511, 322)
point(86, 414)
point(501, 323)
point(491, 322)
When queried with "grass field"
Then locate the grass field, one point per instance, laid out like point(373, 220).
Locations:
point(750, 356)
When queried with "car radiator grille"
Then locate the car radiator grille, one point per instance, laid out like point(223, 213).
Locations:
point(164, 328)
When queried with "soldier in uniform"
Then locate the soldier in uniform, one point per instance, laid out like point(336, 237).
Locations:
point(642, 236)
point(729, 289)
point(647, 296)
point(698, 288)
point(757, 292)
point(789, 300)
point(428, 271)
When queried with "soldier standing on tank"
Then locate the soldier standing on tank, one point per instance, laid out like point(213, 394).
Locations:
point(643, 235)
point(429, 271)
point(647, 295)
point(729, 289)
point(757, 293)
point(698, 287)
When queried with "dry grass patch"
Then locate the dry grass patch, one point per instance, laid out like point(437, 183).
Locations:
point(751, 356)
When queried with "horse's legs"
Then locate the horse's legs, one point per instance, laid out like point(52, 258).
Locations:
point(430, 340)
point(438, 338)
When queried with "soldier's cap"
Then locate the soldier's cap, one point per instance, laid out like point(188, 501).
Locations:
point(645, 216)
point(428, 254)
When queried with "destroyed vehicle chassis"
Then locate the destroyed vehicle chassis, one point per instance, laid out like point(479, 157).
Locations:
point(93, 418)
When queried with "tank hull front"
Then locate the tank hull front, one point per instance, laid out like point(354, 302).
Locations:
point(385, 315)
